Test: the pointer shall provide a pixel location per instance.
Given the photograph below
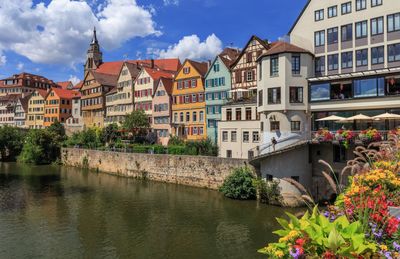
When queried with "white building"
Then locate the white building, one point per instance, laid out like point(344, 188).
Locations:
point(75, 122)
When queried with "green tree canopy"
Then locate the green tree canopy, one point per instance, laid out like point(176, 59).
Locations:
point(11, 142)
point(137, 121)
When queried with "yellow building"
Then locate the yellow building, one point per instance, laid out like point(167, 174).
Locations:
point(35, 115)
point(188, 108)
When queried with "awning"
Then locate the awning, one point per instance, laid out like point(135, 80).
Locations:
point(387, 116)
point(332, 118)
point(359, 117)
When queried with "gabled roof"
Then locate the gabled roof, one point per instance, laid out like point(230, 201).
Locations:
point(168, 84)
point(65, 85)
point(157, 73)
point(78, 86)
point(63, 93)
point(27, 76)
point(10, 98)
point(112, 91)
point(111, 68)
point(133, 68)
point(229, 56)
point(105, 79)
point(263, 43)
point(25, 101)
point(42, 92)
point(300, 15)
point(283, 47)
point(201, 67)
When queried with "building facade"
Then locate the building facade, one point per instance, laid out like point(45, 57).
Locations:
point(244, 69)
point(188, 108)
point(74, 123)
point(58, 106)
point(35, 116)
point(24, 83)
point(283, 95)
point(239, 130)
point(21, 111)
point(7, 109)
point(162, 102)
point(217, 87)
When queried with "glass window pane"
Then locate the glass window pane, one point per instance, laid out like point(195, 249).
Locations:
point(320, 92)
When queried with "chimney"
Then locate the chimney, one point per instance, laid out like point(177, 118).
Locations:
point(152, 63)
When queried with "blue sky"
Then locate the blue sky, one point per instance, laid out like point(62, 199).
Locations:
point(131, 29)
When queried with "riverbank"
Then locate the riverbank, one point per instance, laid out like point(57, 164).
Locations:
point(196, 171)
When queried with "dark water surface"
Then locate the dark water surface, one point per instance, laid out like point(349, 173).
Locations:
point(60, 212)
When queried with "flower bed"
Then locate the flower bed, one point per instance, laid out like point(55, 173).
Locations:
point(323, 135)
point(370, 135)
point(359, 223)
point(345, 137)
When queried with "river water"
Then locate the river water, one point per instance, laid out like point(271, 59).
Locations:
point(60, 212)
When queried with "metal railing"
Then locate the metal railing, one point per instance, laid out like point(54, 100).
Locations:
point(281, 144)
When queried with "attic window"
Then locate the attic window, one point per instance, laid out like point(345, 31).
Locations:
point(186, 70)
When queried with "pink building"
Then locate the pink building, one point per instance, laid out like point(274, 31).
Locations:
point(162, 101)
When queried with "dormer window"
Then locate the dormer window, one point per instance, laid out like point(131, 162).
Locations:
point(186, 70)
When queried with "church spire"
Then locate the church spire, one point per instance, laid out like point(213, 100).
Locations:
point(94, 39)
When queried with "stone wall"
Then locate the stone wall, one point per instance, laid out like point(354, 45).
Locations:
point(198, 171)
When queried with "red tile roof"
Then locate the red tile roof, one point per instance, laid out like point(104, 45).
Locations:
point(27, 76)
point(78, 85)
point(106, 79)
point(42, 92)
point(284, 47)
point(63, 93)
point(157, 73)
point(201, 67)
point(65, 85)
point(168, 84)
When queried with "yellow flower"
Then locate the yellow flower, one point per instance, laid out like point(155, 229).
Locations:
point(279, 254)
point(383, 247)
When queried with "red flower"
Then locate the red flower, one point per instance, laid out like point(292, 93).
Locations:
point(393, 226)
point(329, 255)
point(300, 242)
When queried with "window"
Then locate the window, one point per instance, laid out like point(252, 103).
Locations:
point(274, 125)
point(362, 57)
point(333, 62)
point(233, 136)
point(332, 11)
point(238, 112)
point(238, 76)
point(339, 154)
point(296, 64)
point(369, 87)
point(346, 8)
point(246, 136)
point(194, 98)
point(248, 114)
point(187, 116)
point(228, 114)
point(194, 83)
point(347, 59)
point(229, 153)
point(319, 15)
point(320, 92)
point(319, 38)
point(320, 64)
point(394, 52)
point(347, 32)
point(332, 35)
point(295, 125)
point(393, 22)
point(175, 117)
point(378, 55)
point(256, 136)
point(216, 67)
point(181, 117)
point(250, 154)
point(274, 66)
point(361, 5)
point(249, 76)
point(260, 98)
point(194, 116)
point(377, 26)
point(274, 95)
point(224, 136)
point(361, 30)
point(201, 116)
point(376, 3)
point(296, 94)
point(186, 70)
point(249, 57)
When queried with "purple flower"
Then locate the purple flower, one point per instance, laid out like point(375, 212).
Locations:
point(396, 246)
point(326, 214)
point(295, 255)
point(388, 255)
point(378, 234)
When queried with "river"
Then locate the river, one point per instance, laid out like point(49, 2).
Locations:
point(62, 212)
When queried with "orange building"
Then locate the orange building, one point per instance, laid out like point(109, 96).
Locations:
point(188, 108)
point(58, 106)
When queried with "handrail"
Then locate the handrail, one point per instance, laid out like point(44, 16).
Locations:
point(269, 145)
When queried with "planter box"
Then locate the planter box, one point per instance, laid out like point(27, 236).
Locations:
point(394, 211)
point(358, 143)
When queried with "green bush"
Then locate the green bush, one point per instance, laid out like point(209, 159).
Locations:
point(239, 185)
point(268, 192)
point(176, 150)
point(41, 147)
point(11, 143)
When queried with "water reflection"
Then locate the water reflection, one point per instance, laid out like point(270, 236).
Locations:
point(55, 212)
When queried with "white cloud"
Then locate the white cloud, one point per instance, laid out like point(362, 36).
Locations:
point(74, 79)
point(171, 2)
point(3, 60)
point(192, 48)
point(20, 66)
point(60, 31)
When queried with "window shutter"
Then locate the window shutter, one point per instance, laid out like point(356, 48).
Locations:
point(190, 98)
point(181, 99)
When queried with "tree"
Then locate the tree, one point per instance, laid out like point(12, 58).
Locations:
point(58, 130)
point(110, 133)
point(136, 122)
point(240, 185)
point(41, 147)
point(11, 142)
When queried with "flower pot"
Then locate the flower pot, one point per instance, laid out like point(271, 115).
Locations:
point(335, 142)
point(394, 211)
point(358, 142)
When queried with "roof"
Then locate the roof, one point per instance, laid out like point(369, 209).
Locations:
point(31, 77)
point(65, 85)
point(300, 15)
point(201, 67)
point(63, 93)
point(168, 84)
point(229, 56)
point(25, 101)
point(42, 92)
point(105, 79)
point(156, 73)
point(112, 68)
point(264, 43)
point(78, 85)
point(112, 91)
point(283, 47)
point(133, 68)
point(10, 98)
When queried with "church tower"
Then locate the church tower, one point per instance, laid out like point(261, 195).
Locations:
point(94, 55)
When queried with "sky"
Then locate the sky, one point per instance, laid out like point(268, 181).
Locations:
point(51, 37)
